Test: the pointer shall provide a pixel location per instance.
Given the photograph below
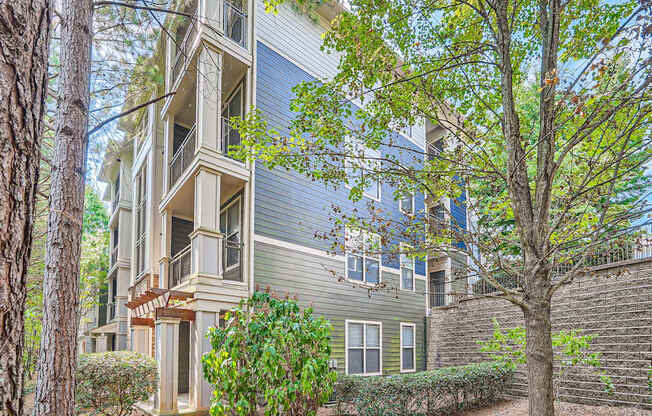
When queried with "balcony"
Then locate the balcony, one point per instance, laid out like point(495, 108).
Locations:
point(114, 256)
point(235, 23)
point(184, 48)
point(180, 267)
point(183, 156)
point(111, 310)
point(230, 136)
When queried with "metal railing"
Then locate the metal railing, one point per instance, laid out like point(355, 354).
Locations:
point(180, 267)
point(183, 157)
point(433, 150)
point(235, 24)
point(111, 308)
point(183, 52)
point(230, 136)
point(114, 255)
point(232, 251)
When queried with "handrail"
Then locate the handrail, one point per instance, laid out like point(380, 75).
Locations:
point(231, 16)
point(230, 136)
point(227, 274)
point(180, 267)
point(183, 48)
point(182, 158)
point(114, 255)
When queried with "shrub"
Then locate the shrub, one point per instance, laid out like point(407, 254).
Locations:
point(437, 392)
point(269, 353)
point(570, 348)
point(110, 383)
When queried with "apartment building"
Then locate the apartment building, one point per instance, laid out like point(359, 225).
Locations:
point(197, 231)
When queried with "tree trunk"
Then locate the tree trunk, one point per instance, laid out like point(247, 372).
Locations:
point(55, 389)
point(24, 38)
point(539, 359)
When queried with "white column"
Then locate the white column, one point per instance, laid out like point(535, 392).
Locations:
point(206, 238)
point(200, 389)
point(141, 341)
point(166, 239)
point(101, 344)
point(167, 354)
point(209, 96)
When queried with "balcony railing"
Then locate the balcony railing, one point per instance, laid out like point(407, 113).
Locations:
point(235, 24)
point(180, 267)
point(110, 307)
point(231, 260)
point(184, 51)
point(183, 157)
point(114, 255)
point(230, 136)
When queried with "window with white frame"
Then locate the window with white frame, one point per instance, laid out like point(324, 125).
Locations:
point(363, 347)
point(363, 166)
point(407, 268)
point(362, 256)
point(141, 220)
point(406, 203)
point(408, 343)
point(230, 226)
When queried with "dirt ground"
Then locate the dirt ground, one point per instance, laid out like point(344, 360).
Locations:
point(519, 408)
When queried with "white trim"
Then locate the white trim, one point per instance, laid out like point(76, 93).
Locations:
point(321, 253)
point(364, 345)
point(404, 246)
point(400, 205)
point(235, 200)
point(373, 153)
point(365, 235)
point(414, 347)
point(296, 247)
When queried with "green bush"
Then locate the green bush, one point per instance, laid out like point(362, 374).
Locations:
point(437, 392)
point(111, 383)
point(269, 355)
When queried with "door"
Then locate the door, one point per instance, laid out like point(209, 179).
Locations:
point(184, 356)
point(437, 288)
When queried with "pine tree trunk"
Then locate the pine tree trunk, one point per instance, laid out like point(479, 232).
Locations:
point(55, 388)
point(539, 359)
point(24, 38)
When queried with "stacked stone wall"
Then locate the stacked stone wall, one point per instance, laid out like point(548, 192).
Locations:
point(614, 304)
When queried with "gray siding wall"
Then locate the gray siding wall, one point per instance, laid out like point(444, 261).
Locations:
point(309, 278)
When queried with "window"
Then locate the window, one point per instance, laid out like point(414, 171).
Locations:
point(363, 167)
point(230, 227)
point(434, 149)
point(141, 218)
point(407, 131)
point(407, 268)
point(408, 356)
point(363, 347)
point(406, 204)
point(362, 256)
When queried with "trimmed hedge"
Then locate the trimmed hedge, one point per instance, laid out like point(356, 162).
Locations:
point(436, 392)
point(113, 382)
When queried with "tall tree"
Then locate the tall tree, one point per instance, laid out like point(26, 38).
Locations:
point(550, 174)
point(24, 37)
point(55, 388)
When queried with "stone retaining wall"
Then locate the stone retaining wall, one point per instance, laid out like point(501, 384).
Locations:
point(615, 304)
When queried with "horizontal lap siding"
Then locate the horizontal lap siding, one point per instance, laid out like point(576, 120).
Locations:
point(289, 206)
point(309, 278)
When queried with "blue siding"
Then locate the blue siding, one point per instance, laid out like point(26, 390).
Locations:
point(289, 206)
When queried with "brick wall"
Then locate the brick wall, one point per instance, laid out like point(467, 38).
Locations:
point(614, 303)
